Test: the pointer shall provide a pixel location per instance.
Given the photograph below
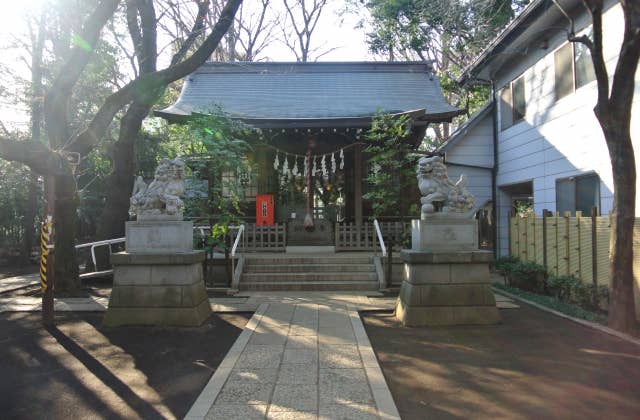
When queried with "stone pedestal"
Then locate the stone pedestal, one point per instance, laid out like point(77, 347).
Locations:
point(161, 283)
point(446, 278)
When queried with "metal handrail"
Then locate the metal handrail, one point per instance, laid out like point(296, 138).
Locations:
point(234, 248)
point(380, 238)
point(93, 246)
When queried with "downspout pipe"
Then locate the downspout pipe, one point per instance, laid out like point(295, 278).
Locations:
point(494, 170)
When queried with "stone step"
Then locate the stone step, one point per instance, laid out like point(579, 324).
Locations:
point(307, 277)
point(280, 260)
point(309, 268)
point(311, 286)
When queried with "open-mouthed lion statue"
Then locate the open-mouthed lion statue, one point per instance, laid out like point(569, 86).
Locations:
point(439, 194)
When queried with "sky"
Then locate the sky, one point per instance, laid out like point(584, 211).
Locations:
point(333, 31)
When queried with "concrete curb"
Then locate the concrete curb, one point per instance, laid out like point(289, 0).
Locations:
point(379, 389)
point(207, 397)
point(583, 322)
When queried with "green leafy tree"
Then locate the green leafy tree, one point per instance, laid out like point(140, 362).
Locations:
point(391, 179)
point(216, 149)
point(52, 160)
point(447, 33)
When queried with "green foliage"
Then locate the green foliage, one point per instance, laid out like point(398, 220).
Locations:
point(562, 287)
point(565, 289)
point(552, 303)
point(448, 33)
point(215, 145)
point(14, 191)
point(505, 264)
point(392, 167)
point(529, 276)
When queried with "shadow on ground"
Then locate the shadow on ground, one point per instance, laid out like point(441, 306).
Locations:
point(533, 365)
point(81, 370)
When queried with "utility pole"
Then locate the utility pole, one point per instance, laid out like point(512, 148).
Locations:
point(47, 268)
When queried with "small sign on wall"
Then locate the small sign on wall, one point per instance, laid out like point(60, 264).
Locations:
point(264, 210)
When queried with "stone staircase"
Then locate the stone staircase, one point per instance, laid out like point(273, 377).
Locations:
point(309, 272)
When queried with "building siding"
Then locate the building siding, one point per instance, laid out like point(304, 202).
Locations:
point(557, 139)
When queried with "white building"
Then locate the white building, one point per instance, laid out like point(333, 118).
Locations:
point(539, 139)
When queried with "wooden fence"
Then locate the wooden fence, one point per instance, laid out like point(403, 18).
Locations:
point(567, 245)
point(353, 237)
point(263, 238)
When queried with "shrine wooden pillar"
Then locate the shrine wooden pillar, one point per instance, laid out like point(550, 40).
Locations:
point(357, 183)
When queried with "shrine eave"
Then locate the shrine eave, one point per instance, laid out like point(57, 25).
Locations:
point(312, 95)
point(419, 118)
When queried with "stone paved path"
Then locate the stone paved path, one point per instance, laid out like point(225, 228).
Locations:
point(298, 361)
point(18, 282)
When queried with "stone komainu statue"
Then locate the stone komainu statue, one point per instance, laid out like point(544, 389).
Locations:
point(160, 199)
point(439, 194)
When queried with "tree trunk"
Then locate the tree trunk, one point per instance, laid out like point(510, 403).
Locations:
point(120, 181)
point(622, 310)
point(65, 225)
point(28, 222)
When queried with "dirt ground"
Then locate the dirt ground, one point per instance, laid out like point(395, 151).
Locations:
point(82, 370)
point(534, 365)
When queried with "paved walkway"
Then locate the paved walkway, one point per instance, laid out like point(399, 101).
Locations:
point(242, 303)
point(298, 361)
point(18, 282)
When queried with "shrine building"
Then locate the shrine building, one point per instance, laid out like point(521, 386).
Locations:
point(312, 118)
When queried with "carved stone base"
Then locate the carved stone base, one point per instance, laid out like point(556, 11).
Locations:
point(158, 289)
point(444, 231)
point(159, 236)
point(446, 288)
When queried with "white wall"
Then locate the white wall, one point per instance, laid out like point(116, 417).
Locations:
point(558, 139)
point(478, 181)
point(478, 151)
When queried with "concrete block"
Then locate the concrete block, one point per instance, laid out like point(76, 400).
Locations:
point(184, 317)
point(427, 273)
point(237, 412)
point(175, 274)
point(444, 233)
point(160, 258)
point(454, 295)
point(158, 236)
point(295, 397)
point(131, 275)
point(470, 273)
point(445, 256)
point(293, 374)
point(193, 294)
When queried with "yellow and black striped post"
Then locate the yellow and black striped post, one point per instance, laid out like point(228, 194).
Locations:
point(45, 239)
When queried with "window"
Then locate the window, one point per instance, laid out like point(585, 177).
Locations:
point(519, 104)
point(513, 106)
point(241, 182)
point(506, 115)
point(584, 65)
point(563, 71)
point(573, 68)
point(579, 193)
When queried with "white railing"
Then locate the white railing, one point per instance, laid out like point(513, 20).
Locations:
point(94, 245)
point(383, 248)
point(240, 234)
point(234, 249)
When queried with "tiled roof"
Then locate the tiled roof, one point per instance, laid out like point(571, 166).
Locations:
point(302, 91)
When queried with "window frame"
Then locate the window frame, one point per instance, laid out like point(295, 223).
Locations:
point(514, 116)
point(574, 78)
point(575, 179)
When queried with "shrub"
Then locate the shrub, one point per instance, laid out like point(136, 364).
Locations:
point(505, 264)
point(563, 287)
point(529, 276)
